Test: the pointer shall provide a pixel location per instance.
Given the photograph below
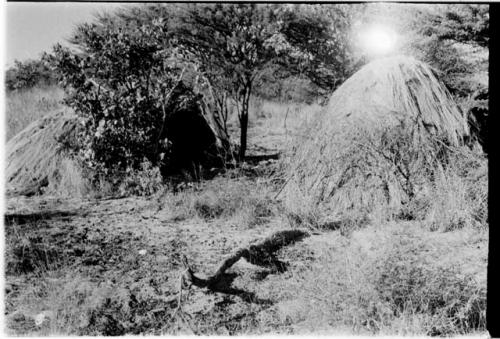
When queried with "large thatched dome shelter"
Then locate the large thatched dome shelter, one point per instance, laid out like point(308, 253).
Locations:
point(383, 135)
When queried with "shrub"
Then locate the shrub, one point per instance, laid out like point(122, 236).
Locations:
point(210, 206)
point(28, 74)
point(119, 87)
point(144, 181)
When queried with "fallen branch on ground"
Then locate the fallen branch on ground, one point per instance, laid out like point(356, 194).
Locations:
point(261, 254)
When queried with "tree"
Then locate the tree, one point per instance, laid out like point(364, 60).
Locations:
point(232, 44)
point(454, 39)
point(464, 23)
point(318, 43)
point(228, 43)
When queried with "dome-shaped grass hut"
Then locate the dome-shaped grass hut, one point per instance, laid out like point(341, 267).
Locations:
point(383, 138)
point(36, 160)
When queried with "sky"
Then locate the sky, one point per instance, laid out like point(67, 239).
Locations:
point(33, 28)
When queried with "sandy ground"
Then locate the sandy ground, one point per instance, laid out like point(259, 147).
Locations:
point(130, 244)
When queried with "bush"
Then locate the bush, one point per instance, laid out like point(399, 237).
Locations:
point(28, 74)
point(143, 182)
point(119, 87)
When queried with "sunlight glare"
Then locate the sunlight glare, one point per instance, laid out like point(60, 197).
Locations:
point(377, 40)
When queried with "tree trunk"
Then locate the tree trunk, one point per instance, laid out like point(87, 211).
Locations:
point(243, 134)
point(244, 123)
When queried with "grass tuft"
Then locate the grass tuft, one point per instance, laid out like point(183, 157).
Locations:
point(234, 200)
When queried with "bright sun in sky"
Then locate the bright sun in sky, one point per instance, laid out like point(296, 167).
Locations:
point(377, 40)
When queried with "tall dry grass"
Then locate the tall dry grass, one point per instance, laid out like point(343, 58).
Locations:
point(272, 125)
point(70, 303)
point(392, 176)
point(388, 280)
point(240, 201)
point(457, 197)
point(26, 106)
point(281, 117)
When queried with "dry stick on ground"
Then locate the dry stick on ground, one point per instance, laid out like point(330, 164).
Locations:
point(261, 254)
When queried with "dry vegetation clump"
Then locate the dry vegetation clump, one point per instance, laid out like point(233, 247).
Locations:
point(145, 181)
point(73, 304)
point(457, 197)
point(84, 307)
point(274, 125)
point(25, 106)
point(392, 280)
point(283, 117)
point(26, 253)
point(442, 299)
point(244, 202)
point(390, 137)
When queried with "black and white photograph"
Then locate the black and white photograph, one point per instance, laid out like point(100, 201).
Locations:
point(246, 168)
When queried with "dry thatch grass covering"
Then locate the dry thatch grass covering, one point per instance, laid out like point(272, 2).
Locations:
point(389, 135)
point(37, 161)
point(387, 90)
